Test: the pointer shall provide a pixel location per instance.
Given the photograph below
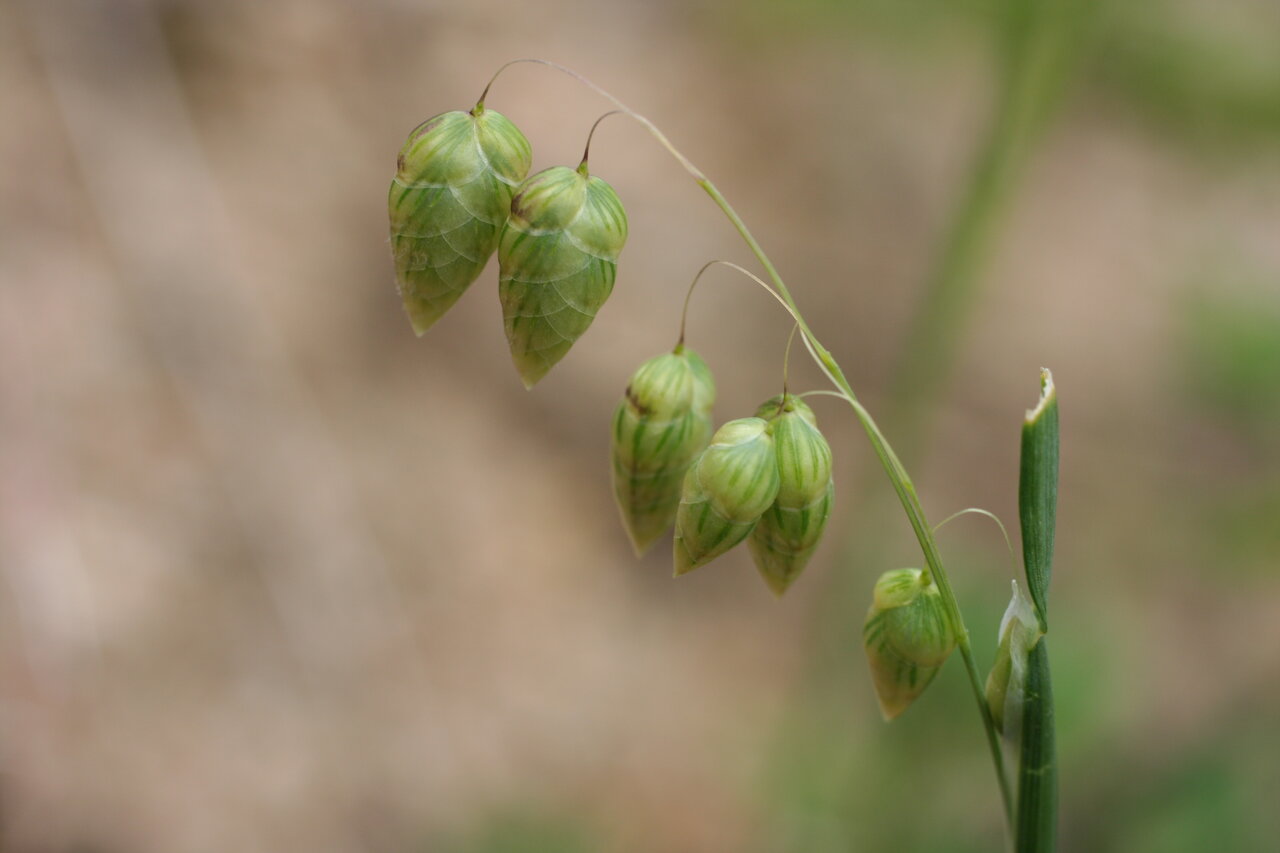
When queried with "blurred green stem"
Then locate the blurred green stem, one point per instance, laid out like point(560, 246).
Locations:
point(1037, 49)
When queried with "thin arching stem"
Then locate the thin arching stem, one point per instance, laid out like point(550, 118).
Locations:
point(503, 67)
point(586, 151)
point(650, 126)
point(684, 313)
point(977, 510)
point(821, 392)
point(786, 358)
point(893, 467)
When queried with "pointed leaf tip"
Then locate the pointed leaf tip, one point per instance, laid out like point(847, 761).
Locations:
point(1048, 396)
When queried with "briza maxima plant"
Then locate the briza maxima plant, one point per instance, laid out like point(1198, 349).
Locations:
point(461, 192)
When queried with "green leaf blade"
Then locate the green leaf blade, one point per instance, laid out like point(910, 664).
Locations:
point(1038, 494)
point(1037, 804)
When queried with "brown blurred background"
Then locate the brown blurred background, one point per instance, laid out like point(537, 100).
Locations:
point(279, 576)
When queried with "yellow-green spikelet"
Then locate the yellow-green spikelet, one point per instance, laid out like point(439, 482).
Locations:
point(1006, 683)
point(558, 257)
point(451, 195)
point(907, 638)
point(789, 531)
point(725, 492)
point(662, 423)
point(996, 689)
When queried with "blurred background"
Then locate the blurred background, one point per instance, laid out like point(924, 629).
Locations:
point(279, 576)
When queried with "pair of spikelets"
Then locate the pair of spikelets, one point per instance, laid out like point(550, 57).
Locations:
point(764, 479)
point(461, 193)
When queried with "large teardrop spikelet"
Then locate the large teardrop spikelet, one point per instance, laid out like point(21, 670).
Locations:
point(789, 531)
point(662, 423)
point(451, 195)
point(558, 257)
point(725, 492)
point(907, 638)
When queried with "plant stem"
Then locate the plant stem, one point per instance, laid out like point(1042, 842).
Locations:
point(1037, 820)
point(901, 482)
point(902, 485)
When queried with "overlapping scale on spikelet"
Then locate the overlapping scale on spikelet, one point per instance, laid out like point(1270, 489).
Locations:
point(659, 428)
point(451, 195)
point(725, 492)
point(558, 257)
point(907, 638)
point(789, 531)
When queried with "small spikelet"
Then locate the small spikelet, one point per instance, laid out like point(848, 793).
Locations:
point(451, 195)
point(659, 428)
point(558, 257)
point(1006, 683)
point(789, 531)
point(907, 638)
point(725, 492)
point(996, 690)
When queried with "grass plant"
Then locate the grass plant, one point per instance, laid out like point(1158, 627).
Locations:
point(763, 479)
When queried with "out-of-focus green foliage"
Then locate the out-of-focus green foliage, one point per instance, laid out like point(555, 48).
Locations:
point(1241, 529)
point(1231, 356)
point(1202, 807)
point(1210, 86)
point(1228, 370)
point(1207, 85)
point(1213, 795)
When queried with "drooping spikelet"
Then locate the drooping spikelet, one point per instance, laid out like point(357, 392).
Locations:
point(789, 531)
point(662, 423)
point(451, 195)
point(725, 492)
point(558, 257)
point(907, 637)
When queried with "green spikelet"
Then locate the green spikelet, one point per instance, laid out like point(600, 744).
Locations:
point(662, 423)
point(789, 531)
point(455, 178)
point(1006, 683)
point(907, 638)
point(558, 256)
point(725, 492)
